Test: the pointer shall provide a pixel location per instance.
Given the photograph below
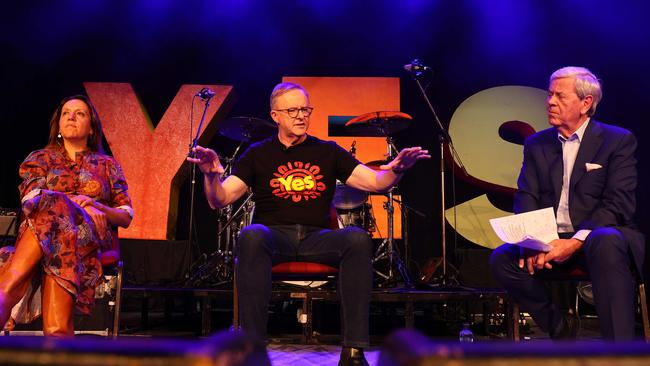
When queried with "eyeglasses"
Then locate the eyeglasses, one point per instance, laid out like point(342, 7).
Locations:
point(293, 112)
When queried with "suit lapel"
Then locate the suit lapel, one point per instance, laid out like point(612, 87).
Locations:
point(591, 141)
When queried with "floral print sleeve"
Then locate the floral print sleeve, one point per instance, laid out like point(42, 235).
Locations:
point(119, 196)
point(33, 172)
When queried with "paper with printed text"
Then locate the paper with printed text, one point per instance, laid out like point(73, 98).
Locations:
point(533, 229)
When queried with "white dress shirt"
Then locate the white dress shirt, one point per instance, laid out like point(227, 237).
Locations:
point(570, 147)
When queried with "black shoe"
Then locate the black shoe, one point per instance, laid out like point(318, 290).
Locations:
point(351, 356)
point(567, 329)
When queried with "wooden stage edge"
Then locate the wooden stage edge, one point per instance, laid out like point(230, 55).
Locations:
point(308, 295)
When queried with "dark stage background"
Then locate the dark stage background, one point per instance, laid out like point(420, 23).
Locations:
point(50, 48)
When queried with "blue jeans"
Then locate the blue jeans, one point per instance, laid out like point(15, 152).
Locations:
point(260, 247)
point(605, 255)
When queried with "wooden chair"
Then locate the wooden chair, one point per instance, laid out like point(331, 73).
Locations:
point(113, 269)
point(576, 274)
point(295, 271)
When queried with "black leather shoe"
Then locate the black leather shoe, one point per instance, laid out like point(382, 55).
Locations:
point(568, 328)
point(351, 356)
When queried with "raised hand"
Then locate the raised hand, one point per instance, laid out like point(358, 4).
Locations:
point(207, 160)
point(406, 159)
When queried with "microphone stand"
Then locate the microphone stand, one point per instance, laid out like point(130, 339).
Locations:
point(443, 137)
point(206, 100)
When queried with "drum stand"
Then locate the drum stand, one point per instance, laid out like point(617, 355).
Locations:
point(217, 268)
point(386, 249)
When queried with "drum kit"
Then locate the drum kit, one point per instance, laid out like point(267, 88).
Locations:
point(352, 205)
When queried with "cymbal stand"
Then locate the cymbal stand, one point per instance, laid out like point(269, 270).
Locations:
point(246, 207)
point(387, 248)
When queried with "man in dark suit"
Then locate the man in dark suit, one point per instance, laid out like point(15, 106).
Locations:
point(586, 171)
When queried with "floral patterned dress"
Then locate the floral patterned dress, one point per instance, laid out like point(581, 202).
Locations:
point(68, 237)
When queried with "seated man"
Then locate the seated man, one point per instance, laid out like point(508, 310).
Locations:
point(586, 171)
point(293, 177)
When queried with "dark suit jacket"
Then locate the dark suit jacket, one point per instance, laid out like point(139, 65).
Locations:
point(597, 198)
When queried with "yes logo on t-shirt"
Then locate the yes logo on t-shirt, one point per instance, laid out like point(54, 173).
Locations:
point(297, 180)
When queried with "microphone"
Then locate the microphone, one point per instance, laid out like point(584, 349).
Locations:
point(416, 66)
point(205, 93)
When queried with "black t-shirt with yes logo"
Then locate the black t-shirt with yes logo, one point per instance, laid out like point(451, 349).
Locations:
point(294, 185)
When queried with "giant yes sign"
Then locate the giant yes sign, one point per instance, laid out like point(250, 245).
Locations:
point(153, 158)
point(479, 129)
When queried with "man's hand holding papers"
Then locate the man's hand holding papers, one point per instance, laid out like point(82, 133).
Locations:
point(535, 232)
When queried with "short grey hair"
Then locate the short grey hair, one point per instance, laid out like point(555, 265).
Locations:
point(283, 88)
point(586, 84)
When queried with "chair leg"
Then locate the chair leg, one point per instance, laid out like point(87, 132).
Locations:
point(117, 308)
point(309, 325)
point(644, 313)
point(235, 298)
point(206, 315)
point(576, 307)
point(513, 319)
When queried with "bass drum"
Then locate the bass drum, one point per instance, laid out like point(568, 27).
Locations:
point(243, 217)
point(360, 216)
point(348, 198)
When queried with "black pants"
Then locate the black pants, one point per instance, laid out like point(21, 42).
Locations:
point(260, 247)
point(605, 255)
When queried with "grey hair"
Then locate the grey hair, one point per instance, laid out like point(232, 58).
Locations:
point(586, 84)
point(283, 88)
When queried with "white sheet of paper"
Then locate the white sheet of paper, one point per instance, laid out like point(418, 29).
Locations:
point(534, 229)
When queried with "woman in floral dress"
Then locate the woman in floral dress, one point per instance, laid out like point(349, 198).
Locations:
point(72, 196)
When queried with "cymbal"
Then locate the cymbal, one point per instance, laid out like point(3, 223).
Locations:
point(247, 129)
point(347, 198)
point(378, 124)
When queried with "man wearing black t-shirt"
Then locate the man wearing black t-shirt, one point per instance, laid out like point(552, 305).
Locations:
point(293, 178)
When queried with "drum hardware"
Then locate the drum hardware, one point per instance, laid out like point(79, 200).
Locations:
point(351, 203)
point(378, 124)
point(360, 216)
point(385, 124)
point(247, 129)
point(216, 269)
point(347, 198)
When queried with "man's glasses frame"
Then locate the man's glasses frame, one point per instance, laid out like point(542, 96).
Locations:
point(293, 112)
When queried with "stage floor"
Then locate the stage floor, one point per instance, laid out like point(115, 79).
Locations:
point(203, 311)
point(282, 352)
